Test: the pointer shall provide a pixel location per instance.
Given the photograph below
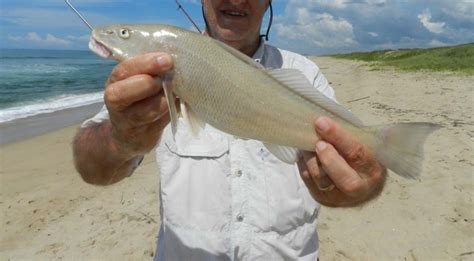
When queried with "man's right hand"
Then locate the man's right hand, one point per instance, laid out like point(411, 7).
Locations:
point(138, 112)
point(136, 103)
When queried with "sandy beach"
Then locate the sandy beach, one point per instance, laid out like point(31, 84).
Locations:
point(48, 212)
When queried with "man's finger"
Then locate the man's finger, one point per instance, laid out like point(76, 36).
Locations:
point(334, 134)
point(120, 95)
point(305, 176)
point(151, 63)
point(318, 176)
point(354, 152)
point(147, 110)
point(344, 177)
point(325, 183)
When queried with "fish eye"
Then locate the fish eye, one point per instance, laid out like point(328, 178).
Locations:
point(124, 33)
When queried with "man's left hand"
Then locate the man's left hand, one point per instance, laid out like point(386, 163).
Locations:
point(342, 172)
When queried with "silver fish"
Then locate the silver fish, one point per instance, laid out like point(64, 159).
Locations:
point(231, 92)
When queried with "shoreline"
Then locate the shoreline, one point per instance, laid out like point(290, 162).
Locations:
point(25, 128)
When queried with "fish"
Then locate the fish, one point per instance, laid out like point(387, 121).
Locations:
point(220, 86)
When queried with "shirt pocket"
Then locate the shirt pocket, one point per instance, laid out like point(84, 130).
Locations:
point(206, 145)
point(194, 180)
point(186, 154)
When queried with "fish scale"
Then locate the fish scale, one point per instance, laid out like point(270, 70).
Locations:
point(266, 107)
point(236, 102)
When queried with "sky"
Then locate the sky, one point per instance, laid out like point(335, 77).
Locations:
point(304, 26)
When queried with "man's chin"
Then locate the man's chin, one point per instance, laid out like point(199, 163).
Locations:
point(231, 35)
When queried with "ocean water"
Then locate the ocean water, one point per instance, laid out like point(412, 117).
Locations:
point(33, 82)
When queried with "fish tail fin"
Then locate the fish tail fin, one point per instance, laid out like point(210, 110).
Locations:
point(399, 147)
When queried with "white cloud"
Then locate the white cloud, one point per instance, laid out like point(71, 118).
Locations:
point(50, 18)
point(376, 2)
point(14, 38)
point(373, 34)
point(83, 38)
point(434, 27)
point(437, 43)
point(321, 30)
point(49, 40)
point(341, 4)
point(34, 39)
point(461, 10)
point(75, 2)
point(329, 26)
point(53, 40)
point(338, 4)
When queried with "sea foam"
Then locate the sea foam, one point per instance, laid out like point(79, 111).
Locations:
point(49, 105)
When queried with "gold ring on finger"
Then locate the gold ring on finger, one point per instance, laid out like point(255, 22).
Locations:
point(327, 189)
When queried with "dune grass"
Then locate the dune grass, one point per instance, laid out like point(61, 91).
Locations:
point(459, 59)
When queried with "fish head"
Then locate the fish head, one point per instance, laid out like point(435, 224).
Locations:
point(120, 42)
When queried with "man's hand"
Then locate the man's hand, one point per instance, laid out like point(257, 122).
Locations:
point(342, 172)
point(136, 103)
point(107, 153)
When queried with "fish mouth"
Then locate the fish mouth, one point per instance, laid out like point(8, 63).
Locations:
point(99, 48)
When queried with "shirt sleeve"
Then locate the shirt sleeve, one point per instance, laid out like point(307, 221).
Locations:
point(100, 117)
point(321, 83)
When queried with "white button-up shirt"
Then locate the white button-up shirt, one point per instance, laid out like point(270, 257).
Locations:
point(226, 198)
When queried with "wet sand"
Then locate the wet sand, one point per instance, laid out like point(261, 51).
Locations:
point(21, 129)
point(48, 212)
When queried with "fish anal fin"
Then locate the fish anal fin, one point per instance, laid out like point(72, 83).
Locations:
point(194, 123)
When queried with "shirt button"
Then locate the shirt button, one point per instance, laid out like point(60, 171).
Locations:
point(240, 218)
point(238, 173)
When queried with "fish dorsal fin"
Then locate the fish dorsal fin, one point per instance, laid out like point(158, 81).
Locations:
point(194, 123)
point(241, 56)
point(297, 82)
point(286, 154)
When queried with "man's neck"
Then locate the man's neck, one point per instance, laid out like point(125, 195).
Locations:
point(250, 49)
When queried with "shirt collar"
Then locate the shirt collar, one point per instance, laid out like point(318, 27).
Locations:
point(258, 55)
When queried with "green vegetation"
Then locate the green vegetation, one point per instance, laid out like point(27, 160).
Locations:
point(459, 59)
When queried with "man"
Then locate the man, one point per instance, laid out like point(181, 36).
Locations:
point(222, 197)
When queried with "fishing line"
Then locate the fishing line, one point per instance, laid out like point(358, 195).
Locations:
point(79, 14)
point(180, 7)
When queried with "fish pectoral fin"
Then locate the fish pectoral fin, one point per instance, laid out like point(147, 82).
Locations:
point(286, 154)
point(194, 123)
point(298, 83)
point(170, 98)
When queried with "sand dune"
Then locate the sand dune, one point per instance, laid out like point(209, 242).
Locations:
point(47, 212)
